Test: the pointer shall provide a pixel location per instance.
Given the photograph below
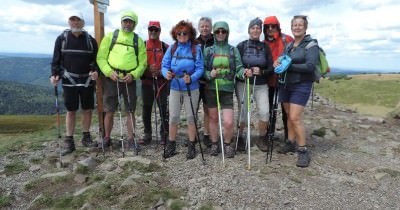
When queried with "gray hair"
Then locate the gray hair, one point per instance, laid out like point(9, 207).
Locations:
point(206, 19)
point(303, 17)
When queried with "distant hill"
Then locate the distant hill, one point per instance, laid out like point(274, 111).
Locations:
point(18, 98)
point(31, 70)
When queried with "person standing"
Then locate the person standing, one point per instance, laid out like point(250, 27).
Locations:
point(153, 84)
point(206, 39)
point(257, 59)
point(277, 41)
point(223, 64)
point(122, 58)
point(183, 66)
point(295, 91)
point(74, 62)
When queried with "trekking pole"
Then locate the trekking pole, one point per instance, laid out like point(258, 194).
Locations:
point(120, 118)
point(136, 145)
point(219, 122)
point(240, 117)
point(155, 90)
point(100, 117)
point(248, 122)
point(58, 123)
point(271, 127)
point(194, 116)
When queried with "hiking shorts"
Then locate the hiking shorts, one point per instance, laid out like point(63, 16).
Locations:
point(74, 95)
point(225, 99)
point(110, 95)
point(176, 99)
point(297, 93)
point(260, 96)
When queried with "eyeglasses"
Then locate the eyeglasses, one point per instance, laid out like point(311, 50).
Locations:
point(154, 29)
point(271, 26)
point(220, 31)
point(182, 33)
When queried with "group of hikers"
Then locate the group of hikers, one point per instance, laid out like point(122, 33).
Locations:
point(191, 70)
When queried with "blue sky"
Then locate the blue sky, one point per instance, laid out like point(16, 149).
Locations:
point(357, 34)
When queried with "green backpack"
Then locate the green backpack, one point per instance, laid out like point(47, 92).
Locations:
point(323, 67)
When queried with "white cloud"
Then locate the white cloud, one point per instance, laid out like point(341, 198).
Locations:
point(361, 29)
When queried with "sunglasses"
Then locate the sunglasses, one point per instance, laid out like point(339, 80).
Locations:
point(272, 26)
point(154, 29)
point(220, 32)
point(182, 33)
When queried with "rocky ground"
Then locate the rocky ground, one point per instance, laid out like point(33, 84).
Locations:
point(355, 165)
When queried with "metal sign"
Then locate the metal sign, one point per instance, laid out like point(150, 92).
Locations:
point(102, 5)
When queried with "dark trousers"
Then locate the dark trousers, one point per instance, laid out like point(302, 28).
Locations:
point(148, 96)
point(271, 91)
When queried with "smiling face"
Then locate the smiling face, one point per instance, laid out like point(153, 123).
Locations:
point(299, 27)
point(182, 35)
point(220, 34)
point(76, 24)
point(204, 28)
point(154, 32)
point(255, 32)
point(128, 25)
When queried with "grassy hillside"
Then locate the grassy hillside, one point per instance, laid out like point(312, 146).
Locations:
point(375, 94)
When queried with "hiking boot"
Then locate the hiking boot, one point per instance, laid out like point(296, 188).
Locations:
point(106, 142)
point(262, 144)
point(214, 149)
point(288, 147)
point(229, 151)
point(69, 146)
point(241, 145)
point(191, 150)
point(87, 140)
point(146, 139)
point(171, 149)
point(303, 157)
point(207, 140)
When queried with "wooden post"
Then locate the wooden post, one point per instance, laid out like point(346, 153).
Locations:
point(99, 34)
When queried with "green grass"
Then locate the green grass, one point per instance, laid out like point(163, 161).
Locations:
point(4, 201)
point(15, 167)
point(366, 95)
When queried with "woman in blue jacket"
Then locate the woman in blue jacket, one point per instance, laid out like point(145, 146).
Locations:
point(183, 66)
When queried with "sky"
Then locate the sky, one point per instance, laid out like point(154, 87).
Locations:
point(356, 35)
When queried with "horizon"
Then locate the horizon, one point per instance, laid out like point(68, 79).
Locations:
point(350, 41)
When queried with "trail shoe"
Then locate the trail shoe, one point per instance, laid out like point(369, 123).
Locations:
point(214, 149)
point(241, 145)
point(191, 150)
point(146, 139)
point(171, 149)
point(303, 157)
point(288, 147)
point(262, 144)
point(206, 140)
point(106, 142)
point(229, 151)
point(69, 146)
point(87, 140)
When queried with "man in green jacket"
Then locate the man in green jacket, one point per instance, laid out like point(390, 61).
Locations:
point(122, 58)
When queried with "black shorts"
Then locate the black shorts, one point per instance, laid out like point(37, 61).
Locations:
point(203, 93)
point(72, 96)
point(225, 99)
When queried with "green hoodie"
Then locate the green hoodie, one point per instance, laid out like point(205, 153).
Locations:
point(221, 53)
point(122, 56)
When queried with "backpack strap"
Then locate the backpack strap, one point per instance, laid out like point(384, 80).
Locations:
point(175, 46)
point(135, 43)
point(163, 47)
point(64, 43)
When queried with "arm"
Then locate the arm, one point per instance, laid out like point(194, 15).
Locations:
point(141, 66)
point(311, 61)
point(56, 62)
point(102, 55)
point(207, 68)
point(198, 65)
point(239, 65)
point(166, 62)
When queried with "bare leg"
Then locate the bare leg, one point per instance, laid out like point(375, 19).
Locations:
point(228, 125)
point(108, 123)
point(213, 122)
point(70, 123)
point(86, 120)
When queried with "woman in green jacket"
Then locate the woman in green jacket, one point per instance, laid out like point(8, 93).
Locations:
point(222, 64)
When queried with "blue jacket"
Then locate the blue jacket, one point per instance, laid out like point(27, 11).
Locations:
point(181, 61)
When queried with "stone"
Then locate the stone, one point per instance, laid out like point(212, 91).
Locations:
point(34, 168)
point(57, 174)
point(80, 178)
point(88, 162)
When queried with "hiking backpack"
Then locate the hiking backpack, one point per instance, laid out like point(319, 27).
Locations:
point(135, 43)
point(232, 63)
point(323, 67)
point(64, 43)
